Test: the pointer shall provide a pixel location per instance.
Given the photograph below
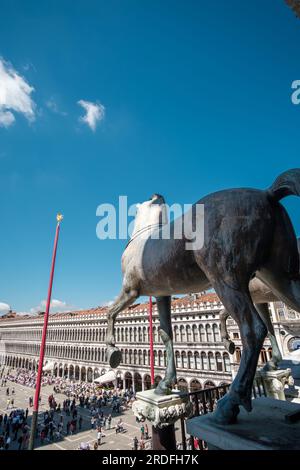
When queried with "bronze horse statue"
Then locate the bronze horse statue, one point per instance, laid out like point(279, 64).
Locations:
point(247, 233)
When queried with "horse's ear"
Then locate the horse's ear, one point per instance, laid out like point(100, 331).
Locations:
point(137, 205)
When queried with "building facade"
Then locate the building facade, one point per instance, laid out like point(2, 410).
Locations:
point(76, 343)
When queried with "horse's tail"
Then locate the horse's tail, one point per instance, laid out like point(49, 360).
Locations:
point(287, 184)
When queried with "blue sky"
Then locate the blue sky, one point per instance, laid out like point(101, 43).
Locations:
point(196, 97)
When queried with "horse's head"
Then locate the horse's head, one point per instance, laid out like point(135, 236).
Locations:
point(151, 212)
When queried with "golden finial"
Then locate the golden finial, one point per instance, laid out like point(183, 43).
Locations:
point(59, 218)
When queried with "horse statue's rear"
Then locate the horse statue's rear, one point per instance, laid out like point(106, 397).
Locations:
point(247, 233)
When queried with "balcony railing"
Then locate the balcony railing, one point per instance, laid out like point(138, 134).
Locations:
point(205, 401)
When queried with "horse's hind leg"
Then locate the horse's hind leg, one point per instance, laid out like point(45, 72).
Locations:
point(166, 333)
point(253, 332)
point(287, 290)
point(272, 364)
point(229, 345)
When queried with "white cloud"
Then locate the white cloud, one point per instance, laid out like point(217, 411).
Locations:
point(4, 308)
point(14, 95)
point(94, 112)
point(55, 306)
point(6, 118)
point(52, 105)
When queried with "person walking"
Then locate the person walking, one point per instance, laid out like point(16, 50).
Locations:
point(135, 445)
point(7, 443)
point(108, 422)
point(142, 444)
point(146, 431)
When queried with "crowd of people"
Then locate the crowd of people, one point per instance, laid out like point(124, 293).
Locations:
point(86, 405)
point(89, 402)
point(27, 378)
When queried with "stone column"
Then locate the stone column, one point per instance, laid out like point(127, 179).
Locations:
point(274, 382)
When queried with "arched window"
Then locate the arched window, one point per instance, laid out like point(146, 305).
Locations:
point(177, 334)
point(182, 334)
point(211, 361)
point(216, 333)
point(226, 362)
point(263, 356)
point(177, 359)
point(195, 334)
point(184, 360)
point(202, 334)
point(270, 353)
point(188, 334)
point(219, 362)
point(197, 361)
point(238, 355)
point(140, 357)
point(208, 333)
point(160, 363)
point(203, 361)
point(190, 360)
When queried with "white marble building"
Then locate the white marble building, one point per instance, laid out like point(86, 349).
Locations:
point(76, 343)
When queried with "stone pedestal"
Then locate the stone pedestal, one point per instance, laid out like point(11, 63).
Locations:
point(162, 411)
point(275, 381)
point(265, 428)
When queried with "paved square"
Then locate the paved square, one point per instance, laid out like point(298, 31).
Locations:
point(110, 441)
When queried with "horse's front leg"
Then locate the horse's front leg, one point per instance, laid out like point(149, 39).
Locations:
point(126, 298)
point(166, 333)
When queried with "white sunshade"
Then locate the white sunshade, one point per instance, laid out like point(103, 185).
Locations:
point(108, 377)
point(48, 366)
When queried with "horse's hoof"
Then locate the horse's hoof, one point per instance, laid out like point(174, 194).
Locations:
point(114, 356)
point(165, 387)
point(270, 365)
point(226, 412)
point(230, 346)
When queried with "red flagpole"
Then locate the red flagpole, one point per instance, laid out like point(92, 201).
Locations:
point(43, 343)
point(151, 342)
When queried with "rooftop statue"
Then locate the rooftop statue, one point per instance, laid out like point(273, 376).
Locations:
point(247, 233)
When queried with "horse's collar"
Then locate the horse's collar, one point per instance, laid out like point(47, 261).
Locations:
point(141, 231)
